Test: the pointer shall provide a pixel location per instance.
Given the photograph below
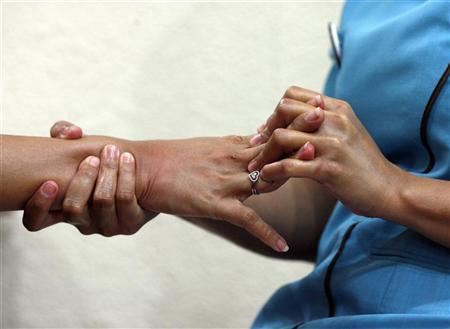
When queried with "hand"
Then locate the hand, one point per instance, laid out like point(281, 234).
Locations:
point(347, 160)
point(105, 215)
point(203, 178)
point(292, 114)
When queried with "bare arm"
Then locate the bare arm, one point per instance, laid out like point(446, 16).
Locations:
point(28, 161)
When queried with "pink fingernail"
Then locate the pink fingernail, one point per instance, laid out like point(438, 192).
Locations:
point(313, 115)
point(49, 189)
point(93, 161)
point(261, 128)
point(303, 148)
point(127, 157)
point(112, 152)
point(282, 245)
point(256, 140)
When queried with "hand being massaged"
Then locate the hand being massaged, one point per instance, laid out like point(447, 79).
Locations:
point(307, 136)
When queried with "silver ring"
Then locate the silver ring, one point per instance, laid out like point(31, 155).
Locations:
point(253, 177)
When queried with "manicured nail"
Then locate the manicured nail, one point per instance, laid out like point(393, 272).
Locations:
point(313, 115)
point(318, 99)
point(49, 189)
point(112, 152)
point(256, 140)
point(127, 157)
point(262, 127)
point(64, 131)
point(93, 161)
point(282, 245)
point(252, 165)
point(303, 149)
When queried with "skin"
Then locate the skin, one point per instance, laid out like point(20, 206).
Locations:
point(167, 174)
point(350, 165)
point(297, 199)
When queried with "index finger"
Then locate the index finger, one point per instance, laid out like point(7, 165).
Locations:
point(245, 217)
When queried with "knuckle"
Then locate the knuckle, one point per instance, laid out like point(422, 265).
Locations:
point(30, 225)
point(125, 197)
point(236, 139)
point(103, 199)
point(328, 169)
point(278, 135)
point(343, 105)
point(334, 142)
point(72, 206)
point(286, 167)
point(291, 91)
point(236, 156)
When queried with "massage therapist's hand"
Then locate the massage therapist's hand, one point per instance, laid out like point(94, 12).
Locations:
point(203, 178)
point(89, 203)
point(346, 159)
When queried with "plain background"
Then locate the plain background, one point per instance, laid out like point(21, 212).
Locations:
point(144, 71)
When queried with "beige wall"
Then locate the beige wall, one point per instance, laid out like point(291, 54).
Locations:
point(140, 71)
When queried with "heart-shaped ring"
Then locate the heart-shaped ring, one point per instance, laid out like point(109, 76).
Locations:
point(254, 176)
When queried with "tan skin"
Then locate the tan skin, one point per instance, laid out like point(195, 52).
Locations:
point(282, 212)
point(336, 156)
point(349, 164)
point(200, 177)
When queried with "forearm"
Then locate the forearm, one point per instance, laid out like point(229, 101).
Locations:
point(422, 204)
point(28, 161)
point(298, 211)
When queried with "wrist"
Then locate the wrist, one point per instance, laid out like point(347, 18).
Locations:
point(147, 155)
point(396, 196)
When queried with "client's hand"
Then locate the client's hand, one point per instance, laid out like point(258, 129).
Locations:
point(203, 178)
point(91, 207)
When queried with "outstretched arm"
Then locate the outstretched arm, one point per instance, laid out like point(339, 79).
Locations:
point(201, 177)
point(28, 161)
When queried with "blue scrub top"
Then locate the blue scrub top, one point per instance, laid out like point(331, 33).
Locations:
point(372, 273)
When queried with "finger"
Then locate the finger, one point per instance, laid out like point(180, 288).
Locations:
point(309, 121)
point(282, 141)
point(317, 101)
point(131, 216)
point(286, 111)
point(105, 190)
point(270, 184)
point(306, 152)
point(299, 94)
point(37, 209)
point(248, 219)
point(78, 193)
point(65, 130)
point(288, 168)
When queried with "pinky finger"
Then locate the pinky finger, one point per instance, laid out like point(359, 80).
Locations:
point(249, 220)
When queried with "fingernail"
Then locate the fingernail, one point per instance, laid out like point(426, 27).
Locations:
point(256, 140)
point(64, 131)
point(318, 99)
point(303, 148)
point(282, 245)
point(313, 115)
point(93, 161)
point(252, 165)
point(112, 152)
point(261, 127)
point(127, 157)
point(49, 189)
